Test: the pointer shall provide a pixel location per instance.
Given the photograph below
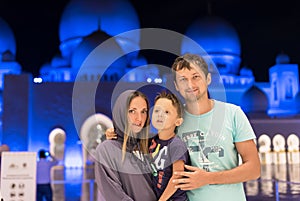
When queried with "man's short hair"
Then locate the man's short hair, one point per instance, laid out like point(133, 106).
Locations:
point(185, 60)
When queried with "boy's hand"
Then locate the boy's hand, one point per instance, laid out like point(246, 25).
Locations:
point(110, 134)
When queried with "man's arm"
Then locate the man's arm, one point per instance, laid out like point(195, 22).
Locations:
point(248, 170)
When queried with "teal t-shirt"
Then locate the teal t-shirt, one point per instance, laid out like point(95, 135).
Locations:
point(210, 140)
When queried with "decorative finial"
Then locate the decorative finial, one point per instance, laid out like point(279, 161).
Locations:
point(99, 24)
point(209, 10)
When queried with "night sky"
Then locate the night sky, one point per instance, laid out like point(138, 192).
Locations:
point(265, 28)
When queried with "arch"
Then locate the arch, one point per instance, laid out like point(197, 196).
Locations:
point(264, 149)
point(278, 142)
point(91, 134)
point(279, 156)
point(264, 143)
point(57, 138)
point(293, 142)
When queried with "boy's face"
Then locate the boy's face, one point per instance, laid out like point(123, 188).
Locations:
point(192, 84)
point(164, 116)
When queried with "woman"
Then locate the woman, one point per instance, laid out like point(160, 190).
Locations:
point(121, 171)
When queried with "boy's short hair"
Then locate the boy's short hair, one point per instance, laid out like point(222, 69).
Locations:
point(175, 101)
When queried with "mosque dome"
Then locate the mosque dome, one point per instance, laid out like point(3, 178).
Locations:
point(95, 58)
point(8, 64)
point(7, 38)
point(219, 39)
point(282, 59)
point(58, 62)
point(82, 17)
point(254, 100)
point(246, 71)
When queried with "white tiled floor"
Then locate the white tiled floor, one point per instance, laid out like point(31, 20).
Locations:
point(73, 184)
point(277, 182)
point(78, 184)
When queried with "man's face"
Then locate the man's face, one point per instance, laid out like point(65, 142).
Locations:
point(192, 84)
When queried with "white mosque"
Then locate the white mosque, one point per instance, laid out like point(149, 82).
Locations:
point(34, 108)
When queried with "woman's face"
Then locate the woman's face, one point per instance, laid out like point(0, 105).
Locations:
point(137, 114)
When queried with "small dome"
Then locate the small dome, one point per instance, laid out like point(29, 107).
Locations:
point(58, 61)
point(219, 39)
point(282, 59)
point(215, 35)
point(139, 61)
point(245, 71)
point(7, 38)
point(254, 100)
point(45, 69)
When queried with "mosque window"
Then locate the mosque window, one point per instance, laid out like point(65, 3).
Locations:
point(52, 76)
point(66, 76)
point(8, 56)
point(221, 65)
point(274, 85)
point(112, 77)
point(105, 77)
point(288, 89)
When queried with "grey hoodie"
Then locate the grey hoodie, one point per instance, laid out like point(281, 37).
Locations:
point(122, 180)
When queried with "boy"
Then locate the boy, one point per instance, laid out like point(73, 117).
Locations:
point(168, 152)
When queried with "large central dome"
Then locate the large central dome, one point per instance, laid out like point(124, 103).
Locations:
point(82, 17)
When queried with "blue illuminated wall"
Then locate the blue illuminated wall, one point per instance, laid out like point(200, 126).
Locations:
point(32, 111)
point(16, 112)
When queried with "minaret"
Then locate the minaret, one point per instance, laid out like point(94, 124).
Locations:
point(284, 82)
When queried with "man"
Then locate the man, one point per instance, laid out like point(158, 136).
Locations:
point(43, 178)
point(215, 133)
